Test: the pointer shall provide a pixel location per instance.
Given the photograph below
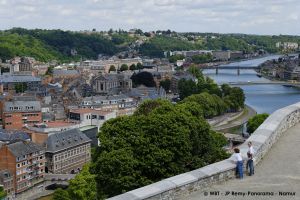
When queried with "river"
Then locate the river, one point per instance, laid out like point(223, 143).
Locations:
point(263, 98)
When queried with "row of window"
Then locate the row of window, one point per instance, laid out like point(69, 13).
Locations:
point(71, 161)
point(30, 115)
point(72, 152)
point(20, 108)
point(100, 117)
point(33, 154)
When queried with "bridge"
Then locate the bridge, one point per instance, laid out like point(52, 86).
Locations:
point(277, 172)
point(238, 68)
point(289, 84)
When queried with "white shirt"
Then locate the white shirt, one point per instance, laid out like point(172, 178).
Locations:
point(237, 157)
point(250, 150)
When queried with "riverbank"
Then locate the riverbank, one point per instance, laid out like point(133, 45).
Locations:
point(237, 120)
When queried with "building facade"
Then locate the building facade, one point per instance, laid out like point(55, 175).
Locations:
point(67, 152)
point(111, 83)
point(18, 112)
point(26, 161)
point(91, 117)
point(7, 181)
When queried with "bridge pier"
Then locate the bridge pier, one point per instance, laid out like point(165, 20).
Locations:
point(217, 70)
point(238, 71)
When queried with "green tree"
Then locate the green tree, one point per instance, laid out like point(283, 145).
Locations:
point(187, 88)
point(235, 99)
point(213, 105)
point(203, 58)
point(255, 121)
point(132, 67)
point(143, 78)
point(124, 67)
point(153, 144)
point(225, 89)
point(20, 87)
point(49, 70)
point(61, 194)
point(139, 65)
point(83, 186)
point(166, 84)
point(174, 58)
point(2, 193)
point(112, 68)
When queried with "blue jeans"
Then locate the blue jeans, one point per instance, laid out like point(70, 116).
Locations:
point(239, 169)
point(250, 167)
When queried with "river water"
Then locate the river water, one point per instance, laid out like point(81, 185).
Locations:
point(263, 98)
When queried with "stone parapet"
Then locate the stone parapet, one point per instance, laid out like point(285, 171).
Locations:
point(177, 187)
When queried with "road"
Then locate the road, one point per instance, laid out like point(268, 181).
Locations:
point(236, 122)
point(277, 173)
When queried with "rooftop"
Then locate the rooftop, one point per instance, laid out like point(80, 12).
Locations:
point(89, 110)
point(66, 139)
point(6, 135)
point(21, 148)
point(7, 78)
point(65, 72)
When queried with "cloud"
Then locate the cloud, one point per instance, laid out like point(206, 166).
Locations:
point(238, 16)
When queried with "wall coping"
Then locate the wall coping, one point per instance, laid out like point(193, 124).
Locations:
point(262, 140)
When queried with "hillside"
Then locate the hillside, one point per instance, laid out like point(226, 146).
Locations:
point(46, 45)
point(60, 44)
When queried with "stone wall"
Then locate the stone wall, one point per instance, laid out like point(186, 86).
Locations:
point(177, 187)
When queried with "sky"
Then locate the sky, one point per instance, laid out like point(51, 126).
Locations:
point(264, 17)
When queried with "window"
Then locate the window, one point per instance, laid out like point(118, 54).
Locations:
point(18, 165)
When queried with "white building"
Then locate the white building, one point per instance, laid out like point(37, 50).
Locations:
point(87, 116)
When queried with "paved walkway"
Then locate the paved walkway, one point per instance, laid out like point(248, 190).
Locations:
point(279, 171)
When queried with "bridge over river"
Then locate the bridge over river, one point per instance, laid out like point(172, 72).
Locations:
point(227, 67)
point(284, 83)
point(277, 168)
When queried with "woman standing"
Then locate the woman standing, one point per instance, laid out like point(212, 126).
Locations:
point(239, 162)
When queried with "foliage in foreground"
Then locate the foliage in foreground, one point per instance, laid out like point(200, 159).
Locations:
point(213, 99)
point(82, 187)
point(255, 121)
point(160, 140)
point(2, 192)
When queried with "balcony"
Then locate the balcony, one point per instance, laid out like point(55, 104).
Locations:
point(28, 170)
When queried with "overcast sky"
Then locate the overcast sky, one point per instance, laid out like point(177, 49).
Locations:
point(221, 16)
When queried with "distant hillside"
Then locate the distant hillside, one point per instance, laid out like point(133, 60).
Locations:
point(45, 45)
point(213, 41)
point(53, 44)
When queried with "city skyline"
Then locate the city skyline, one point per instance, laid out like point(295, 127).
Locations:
point(270, 17)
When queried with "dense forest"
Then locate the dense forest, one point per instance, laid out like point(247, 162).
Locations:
point(47, 45)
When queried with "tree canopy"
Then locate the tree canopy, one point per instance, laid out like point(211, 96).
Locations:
point(124, 67)
point(83, 186)
point(2, 193)
point(112, 68)
point(143, 78)
point(255, 121)
point(166, 84)
point(160, 140)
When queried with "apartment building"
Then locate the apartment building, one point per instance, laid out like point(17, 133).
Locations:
point(18, 112)
point(26, 161)
point(67, 152)
point(7, 181)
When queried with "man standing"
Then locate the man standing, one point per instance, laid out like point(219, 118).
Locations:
point(250, 153)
